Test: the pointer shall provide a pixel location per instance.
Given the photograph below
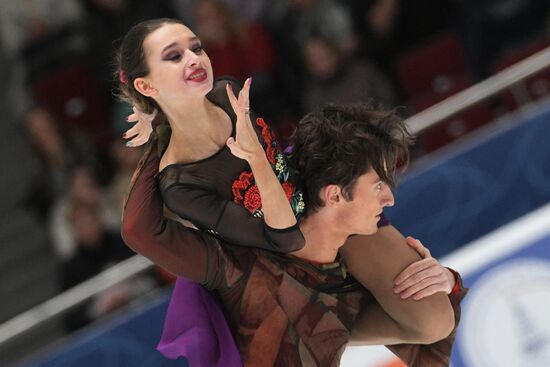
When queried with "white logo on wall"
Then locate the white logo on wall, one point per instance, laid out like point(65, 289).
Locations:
point(506, 319)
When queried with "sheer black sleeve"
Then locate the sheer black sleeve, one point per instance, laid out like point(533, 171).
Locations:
point(180, 250)
point(231, 221)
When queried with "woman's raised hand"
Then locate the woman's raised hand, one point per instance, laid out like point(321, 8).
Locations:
point(141, 131)
point(246, 144)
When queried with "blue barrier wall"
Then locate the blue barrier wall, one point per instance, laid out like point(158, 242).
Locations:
point(128, 340)
point(505, 318)
point(474, 189)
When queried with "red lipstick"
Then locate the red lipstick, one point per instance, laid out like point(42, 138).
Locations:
point(198, 75)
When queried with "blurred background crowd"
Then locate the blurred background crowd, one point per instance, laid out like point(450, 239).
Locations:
point(66, 167)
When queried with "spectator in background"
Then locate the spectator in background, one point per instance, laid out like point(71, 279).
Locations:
point(337, 78)
point(492, 27)
point(293, 24)
point(83, 188)
point(387, 28)
point(250, 10)
point(239, 48)
point(96, 249)
point(14, 99)
point(25, 22)
point(58, 150)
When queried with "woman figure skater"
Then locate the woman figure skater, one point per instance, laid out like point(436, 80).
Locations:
point(250, 197)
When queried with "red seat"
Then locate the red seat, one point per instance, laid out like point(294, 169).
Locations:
point(72, 94)
point(433, 67)
point(454, 127)
point(531, 88)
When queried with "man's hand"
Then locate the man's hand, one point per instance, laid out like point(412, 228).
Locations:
point(424, 277)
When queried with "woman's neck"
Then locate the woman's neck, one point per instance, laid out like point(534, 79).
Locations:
point(192, 119)
point(197, 128)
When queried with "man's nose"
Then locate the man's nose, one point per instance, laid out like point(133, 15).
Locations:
point(388, 199)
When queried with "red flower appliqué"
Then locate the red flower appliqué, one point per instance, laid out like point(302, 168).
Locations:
point(289, 189)
point(240, 186)
point(246, 193)
point(252, 200)
point(272, 148)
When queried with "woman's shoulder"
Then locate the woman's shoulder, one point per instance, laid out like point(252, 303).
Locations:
point(178, 174)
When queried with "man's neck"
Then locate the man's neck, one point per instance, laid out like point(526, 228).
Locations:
point(322, 238)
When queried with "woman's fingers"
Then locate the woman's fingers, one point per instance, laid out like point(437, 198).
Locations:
point(232, 98)
point(133, 117)
point(136, 142)
point(133, 131)
point(240, 103)
point(246, 143)
point(141, 131)
point(141, 117)
point(244, 95)
point(243, 106)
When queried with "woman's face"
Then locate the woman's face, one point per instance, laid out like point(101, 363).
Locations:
point(178, 66)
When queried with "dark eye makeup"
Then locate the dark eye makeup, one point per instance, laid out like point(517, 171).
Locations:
point(172, 56)
point(176, 55)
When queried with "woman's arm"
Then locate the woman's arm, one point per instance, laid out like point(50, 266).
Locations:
point(232, 221)
point(178, 249)
point(278, 213)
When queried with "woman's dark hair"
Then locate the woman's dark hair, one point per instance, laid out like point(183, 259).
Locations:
point(131, 63)
point(338, 143)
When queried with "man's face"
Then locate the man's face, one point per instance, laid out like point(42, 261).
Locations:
point(361, 214)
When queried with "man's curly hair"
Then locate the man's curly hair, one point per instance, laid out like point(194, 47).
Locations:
point(338, 143)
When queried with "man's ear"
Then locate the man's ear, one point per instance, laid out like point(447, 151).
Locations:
point(331, 195)
point(144, 87)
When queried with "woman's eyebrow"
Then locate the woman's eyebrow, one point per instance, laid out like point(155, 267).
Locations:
point(170, 45)
point(191, 39)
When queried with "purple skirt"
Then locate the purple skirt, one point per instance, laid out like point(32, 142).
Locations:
point(195, 328)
